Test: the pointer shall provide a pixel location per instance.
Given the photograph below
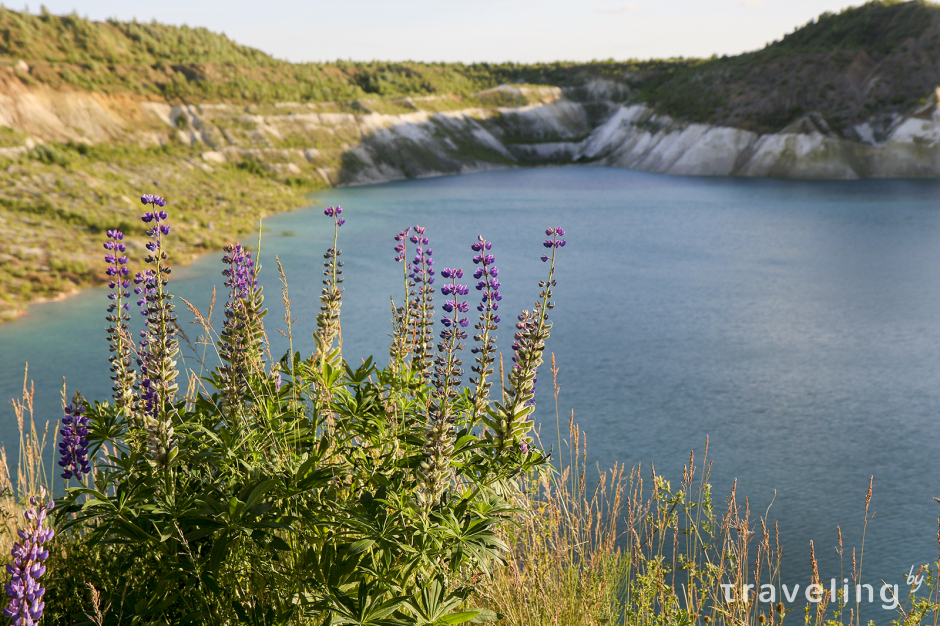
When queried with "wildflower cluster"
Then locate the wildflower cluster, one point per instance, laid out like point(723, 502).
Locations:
point(24, 590)
point(73, 449)
point(331, 296)
point(421, 302)
point(119, 338)
point(158, 347)
point(487, 283)
point(354, 487)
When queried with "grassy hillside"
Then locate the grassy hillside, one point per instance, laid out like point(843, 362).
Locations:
point(196, 65)
point(880, 59)
point(57, 203)
point(868, 63)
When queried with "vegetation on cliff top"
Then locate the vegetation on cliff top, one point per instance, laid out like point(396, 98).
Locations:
point(877, 59)
point(865, 64)
point(195, 65)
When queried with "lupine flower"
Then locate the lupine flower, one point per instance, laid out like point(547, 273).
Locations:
point(145, 288)
point(330, 297)
point(513, 421)
point(118, 330)
point(401, 240)
point(24, 590)
point(439, 444)
point(73, 449)
point(334, 212)
point(401, 319)
point(421, 314)
point(240, 273)
point(149, 198)
point(554, 242)
point(158, 345)
point(488, 284)
point(240, 343)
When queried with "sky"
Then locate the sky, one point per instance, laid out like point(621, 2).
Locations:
point(475, 30)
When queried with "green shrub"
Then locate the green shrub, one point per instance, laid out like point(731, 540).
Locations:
point(303, 491)
point(50, 155)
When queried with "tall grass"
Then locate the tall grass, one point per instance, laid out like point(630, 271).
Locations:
point(624, 549)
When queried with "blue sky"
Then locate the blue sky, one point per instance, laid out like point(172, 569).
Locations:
point(476, 30)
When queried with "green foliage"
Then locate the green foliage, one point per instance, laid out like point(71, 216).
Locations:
point(881, 27)
point(50, 155)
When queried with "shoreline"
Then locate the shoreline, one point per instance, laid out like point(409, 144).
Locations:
point(14, 313)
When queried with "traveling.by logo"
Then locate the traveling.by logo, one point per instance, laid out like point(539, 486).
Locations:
point(815, 592)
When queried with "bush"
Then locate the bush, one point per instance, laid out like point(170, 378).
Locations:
point(302, 491)
point(49, 155)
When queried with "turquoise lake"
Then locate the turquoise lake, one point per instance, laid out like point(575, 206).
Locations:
point(794, 323)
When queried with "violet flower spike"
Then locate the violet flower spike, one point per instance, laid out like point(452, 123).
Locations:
point(118, 320)
point(24, 590)
point(328, 327)
point(401, 315)
point(73, 449)
point(238, 344)
point(533, 327)
point(421, 313)
point(158, 347)
point(400, 245)
point(438, 447)
point(488, 284)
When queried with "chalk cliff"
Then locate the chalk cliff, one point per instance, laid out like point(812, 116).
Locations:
point(350, 149)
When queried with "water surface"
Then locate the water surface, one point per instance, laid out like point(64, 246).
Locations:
point(794, 323)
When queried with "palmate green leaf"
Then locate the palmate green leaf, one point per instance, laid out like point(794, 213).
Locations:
point(258, 492)
point(308, 476)
point(366, 608)
point(434, 606)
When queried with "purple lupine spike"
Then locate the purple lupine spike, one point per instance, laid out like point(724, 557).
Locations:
point(438, 446)
point(401, 315)
point(532, 330)
point(240, 273)
point(73, 449)
point(400, 239)
point(24, 590)
point(158, 346)
point(453, 306)
point(331, 298)
point(118, 318)
point(239, 345)
point(334, 212)
point(485, 347)
point(421, 312)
